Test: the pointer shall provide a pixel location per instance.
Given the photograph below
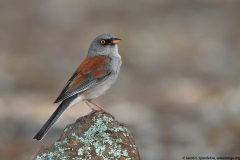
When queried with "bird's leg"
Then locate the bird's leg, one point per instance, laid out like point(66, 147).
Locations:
point(98, 106)
point(90, 106)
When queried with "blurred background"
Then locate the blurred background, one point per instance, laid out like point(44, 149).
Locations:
point(179, 85)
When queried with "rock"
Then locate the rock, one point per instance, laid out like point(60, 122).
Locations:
point(96, 136)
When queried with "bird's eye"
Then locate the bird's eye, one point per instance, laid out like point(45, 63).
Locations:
point(102, 41)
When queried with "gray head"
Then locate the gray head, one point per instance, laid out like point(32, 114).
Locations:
point(104, 44)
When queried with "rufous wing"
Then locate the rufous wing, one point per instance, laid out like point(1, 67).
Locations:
point(88, 74)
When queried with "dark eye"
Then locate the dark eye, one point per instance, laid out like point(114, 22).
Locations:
point(102, 41)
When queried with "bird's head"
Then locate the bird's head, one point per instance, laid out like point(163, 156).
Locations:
point(104, 44)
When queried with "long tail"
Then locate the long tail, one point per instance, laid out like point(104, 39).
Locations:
point(54, 117)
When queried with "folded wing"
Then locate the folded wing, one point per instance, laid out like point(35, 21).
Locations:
point(88, 74)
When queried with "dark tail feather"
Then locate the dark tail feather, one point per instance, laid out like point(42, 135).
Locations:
point(54, 117)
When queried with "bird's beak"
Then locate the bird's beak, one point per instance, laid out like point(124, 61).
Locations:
point(115, 40)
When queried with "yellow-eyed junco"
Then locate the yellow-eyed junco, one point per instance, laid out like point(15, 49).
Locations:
point(95, 75)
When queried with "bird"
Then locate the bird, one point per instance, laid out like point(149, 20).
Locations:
point(94, 76)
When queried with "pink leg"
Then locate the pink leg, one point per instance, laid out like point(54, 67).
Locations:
point(90, 106)
point(98, 106)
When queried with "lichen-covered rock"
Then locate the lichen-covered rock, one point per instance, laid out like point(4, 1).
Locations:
point(96, 136)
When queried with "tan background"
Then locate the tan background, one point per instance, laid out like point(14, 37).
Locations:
point(178, 87)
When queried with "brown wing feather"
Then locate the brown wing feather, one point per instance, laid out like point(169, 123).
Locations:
point(90, 69)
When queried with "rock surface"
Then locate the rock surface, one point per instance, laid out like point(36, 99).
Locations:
point(96, 136)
